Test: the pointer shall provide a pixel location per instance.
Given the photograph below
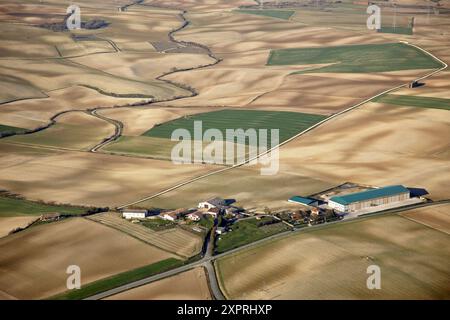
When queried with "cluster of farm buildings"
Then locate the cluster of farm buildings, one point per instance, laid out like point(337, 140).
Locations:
point(368, 200)
point(212, 207)
point(337, 202)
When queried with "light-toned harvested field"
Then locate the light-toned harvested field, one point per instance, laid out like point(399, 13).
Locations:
point(75, 130)
point(437, 217)
point(8, 224)
point(137, 120)
point(123, 77)
point(143, 66)
point(36, 113)
point(247, 186)
point(34, 261)
point(51, 74)
point(378, 144)
point(242, 79)
point(176, 240)
point(331, 263)
point(86, 178)
point(189, 285)
point(204, 5)
point(436, 87)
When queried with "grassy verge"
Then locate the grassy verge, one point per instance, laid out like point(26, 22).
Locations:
point(356, 58)
point(8, 130)
point(397, 30)
point(415, 101)
point(10, 206)
point(118, 280)
point(158, 224)
point(247, 231)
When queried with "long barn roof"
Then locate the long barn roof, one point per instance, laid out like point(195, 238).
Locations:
point(369, 194)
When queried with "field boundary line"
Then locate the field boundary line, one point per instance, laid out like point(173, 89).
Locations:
point(298, 134)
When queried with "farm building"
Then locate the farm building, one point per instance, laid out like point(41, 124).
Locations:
point(360, 200)
point(303, 201)
point(195, 216)
point(134, 213)
point(171, 216)
point(213, 212)
point(212, 203)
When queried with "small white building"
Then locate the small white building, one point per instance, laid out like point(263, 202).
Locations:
point(134, 213)
point(212, 203)
point(221, 230)
point(213, 212)
point(171, 216)
point(195, 216)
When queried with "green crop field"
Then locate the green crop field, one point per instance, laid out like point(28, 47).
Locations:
point(356, 58)
point(397, 30)
point(8, 129)
point(415, 101)
point(247, 231)
point(280, 14)
point(289, 123)
point(17, 207)
point(118, 280)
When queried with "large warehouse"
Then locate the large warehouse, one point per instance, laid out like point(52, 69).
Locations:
point(360, 200)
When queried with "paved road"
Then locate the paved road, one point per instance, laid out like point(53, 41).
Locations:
point(213, 281)
point(207, 260)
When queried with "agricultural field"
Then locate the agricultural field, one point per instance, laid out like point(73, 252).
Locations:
point(333, 153)
point(9, 224)
point(12, 207)
point(288, 123)
point(414, 101)
point(117, 280)
point(397, 30)
point(89, 179)
point(73, 131)
point(245, 184)
point(156, 142)
point(437, 217)
point(356, 58)
point(8, 129)
point(247, 231)
point(180, 242)
point(189, 285)
point(279, 14)
point(330, 262)
point(34, 261)
point(148, 68)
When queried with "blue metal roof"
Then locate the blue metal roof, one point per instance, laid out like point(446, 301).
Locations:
point(302, 200)
point(369, 194)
